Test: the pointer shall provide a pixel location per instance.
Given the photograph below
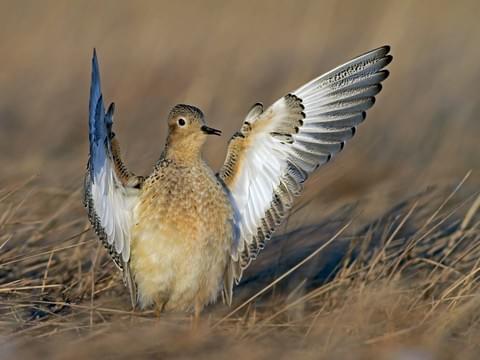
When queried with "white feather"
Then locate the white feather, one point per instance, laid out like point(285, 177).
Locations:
point(332, 105)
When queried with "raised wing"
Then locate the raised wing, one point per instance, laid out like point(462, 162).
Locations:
point(276, 150)
point(110, 189)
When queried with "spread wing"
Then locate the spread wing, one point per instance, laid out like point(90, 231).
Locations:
point(276, 150)
point(110, 189)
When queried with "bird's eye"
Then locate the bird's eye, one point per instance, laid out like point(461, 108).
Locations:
point(181, 122)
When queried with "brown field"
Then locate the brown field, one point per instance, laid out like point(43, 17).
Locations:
point(379, 260)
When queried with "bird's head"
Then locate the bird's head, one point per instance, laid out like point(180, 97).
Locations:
point(187, 131)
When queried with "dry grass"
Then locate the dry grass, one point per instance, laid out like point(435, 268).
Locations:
point(380, 258)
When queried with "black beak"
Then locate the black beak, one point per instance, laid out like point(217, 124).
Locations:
point(210, 131)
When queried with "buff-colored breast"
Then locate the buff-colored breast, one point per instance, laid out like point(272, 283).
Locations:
point(181, 238)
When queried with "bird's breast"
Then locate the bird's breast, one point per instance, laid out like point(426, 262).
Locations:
point(181, 240)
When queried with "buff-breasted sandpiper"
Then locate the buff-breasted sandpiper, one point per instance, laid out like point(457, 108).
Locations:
point(184, 234)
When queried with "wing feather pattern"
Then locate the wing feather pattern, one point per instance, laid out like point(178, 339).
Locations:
point(110, 189)
point(276, 150)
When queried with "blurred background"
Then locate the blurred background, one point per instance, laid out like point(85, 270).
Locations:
point(223, 57)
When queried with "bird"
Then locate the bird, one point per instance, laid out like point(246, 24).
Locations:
point(183, 235)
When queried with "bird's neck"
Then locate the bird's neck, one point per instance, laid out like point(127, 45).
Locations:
point(182, 152)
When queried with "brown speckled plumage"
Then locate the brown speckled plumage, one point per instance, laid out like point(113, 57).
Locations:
point(179, 260)
point(183, 223)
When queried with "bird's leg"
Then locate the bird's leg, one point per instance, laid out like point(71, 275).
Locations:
point(159, 306)
point(196, 314)
point(158, 311)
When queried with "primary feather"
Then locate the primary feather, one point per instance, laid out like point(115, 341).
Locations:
point(109, 198)
point(277, 149)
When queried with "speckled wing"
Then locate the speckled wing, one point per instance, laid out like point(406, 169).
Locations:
point(110, 189)
point(276, 150)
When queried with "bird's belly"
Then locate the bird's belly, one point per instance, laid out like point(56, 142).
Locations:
point(175, 269)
